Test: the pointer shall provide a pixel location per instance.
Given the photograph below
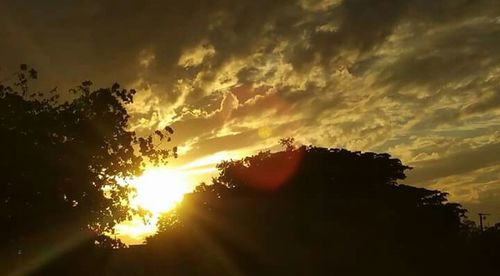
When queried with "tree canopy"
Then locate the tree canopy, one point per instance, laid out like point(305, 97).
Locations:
point(61, 162)
point(314, 210)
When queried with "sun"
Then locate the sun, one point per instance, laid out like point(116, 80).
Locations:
point(159, 190)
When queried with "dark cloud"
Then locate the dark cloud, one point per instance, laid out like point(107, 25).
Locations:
point(463, 54)
point(459, 162)
point(487, 103)
point(419, 77)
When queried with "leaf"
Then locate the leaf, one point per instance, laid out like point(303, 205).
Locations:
point(86, 83)
point(33, 74)
point(169, 130)
point(157, 132)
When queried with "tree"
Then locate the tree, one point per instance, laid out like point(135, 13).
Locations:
point(317, 211)
point(61, 162)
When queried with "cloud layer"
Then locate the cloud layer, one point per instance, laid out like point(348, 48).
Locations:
point(417, 78)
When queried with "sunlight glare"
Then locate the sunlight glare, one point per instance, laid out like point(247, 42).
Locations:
point(159, 190)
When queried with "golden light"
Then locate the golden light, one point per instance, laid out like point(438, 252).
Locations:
point(159, 190)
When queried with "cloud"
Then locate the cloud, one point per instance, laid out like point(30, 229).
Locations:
point(418, 78)
point(459, 161)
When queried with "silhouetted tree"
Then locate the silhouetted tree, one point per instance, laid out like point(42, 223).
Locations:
point(315, 211)
point(60, 162)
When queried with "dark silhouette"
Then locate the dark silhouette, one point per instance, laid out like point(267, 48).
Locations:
point(60, 161)
point(315, 211)
point(482, 217)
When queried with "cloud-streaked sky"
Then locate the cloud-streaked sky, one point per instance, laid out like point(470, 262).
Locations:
point(419, 79)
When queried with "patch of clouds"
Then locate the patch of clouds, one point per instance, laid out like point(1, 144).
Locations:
point(417, 78)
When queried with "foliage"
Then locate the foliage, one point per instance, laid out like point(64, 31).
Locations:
point(316, 209)
point(61, 160)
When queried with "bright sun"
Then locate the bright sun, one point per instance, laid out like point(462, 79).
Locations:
point(159, 190)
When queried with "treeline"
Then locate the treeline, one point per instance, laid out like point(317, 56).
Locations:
point(311, 211)
point(319, 211)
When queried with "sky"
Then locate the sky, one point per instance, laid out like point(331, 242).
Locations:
point(419, 79)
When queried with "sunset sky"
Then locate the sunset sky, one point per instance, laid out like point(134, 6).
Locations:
point(419, 79)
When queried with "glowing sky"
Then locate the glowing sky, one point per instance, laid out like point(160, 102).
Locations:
point(419, 79)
